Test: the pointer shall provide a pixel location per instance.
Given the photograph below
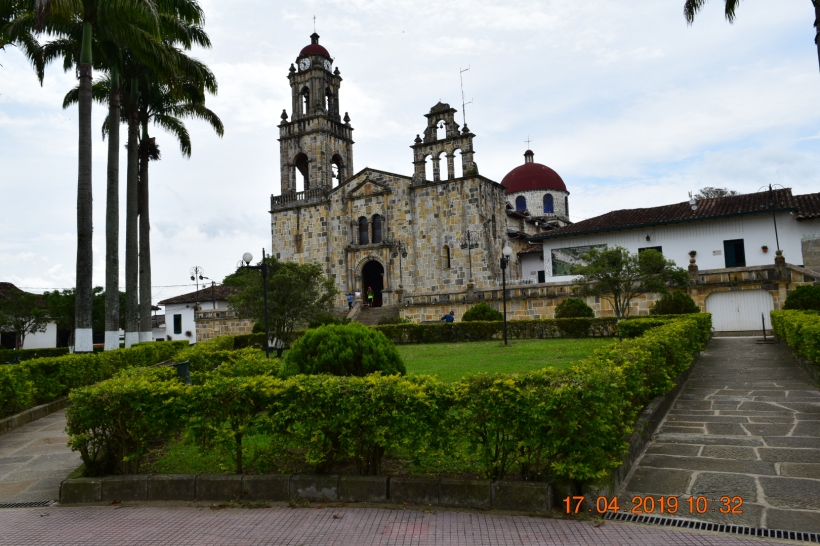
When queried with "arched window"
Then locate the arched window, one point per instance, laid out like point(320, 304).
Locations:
point(445, 257)
point(458, 165)
point(337, 169)
point(303, 171)
point(305, 100)
point(377, 228)
point(328, 95)
point(520, 203)
point(566, 206)
point(428, 167)
point(443, 167)
point(363, 230)
point(441, 130)
point(549, 207)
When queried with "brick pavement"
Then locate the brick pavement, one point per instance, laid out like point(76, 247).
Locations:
point(747, 423)
point(34, 459)
point(280, 525)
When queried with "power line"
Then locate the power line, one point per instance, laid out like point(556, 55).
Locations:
point(121, 287)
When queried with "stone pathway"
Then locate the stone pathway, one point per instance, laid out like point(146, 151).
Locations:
point(746, 424)
point(34, 459)
point(345, 526)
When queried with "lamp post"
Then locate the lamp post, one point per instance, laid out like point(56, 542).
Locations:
point(247, 257)
point(505, 259)
point(400, 252)
point(197, 275)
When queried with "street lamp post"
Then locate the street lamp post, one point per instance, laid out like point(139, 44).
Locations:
point(469, 245)
point(197, 275)
point(505, 259)
point(400, 252)
point(247, 257)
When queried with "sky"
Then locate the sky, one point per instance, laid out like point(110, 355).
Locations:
point(629, 104)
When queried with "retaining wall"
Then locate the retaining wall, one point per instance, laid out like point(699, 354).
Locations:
point(32, 414)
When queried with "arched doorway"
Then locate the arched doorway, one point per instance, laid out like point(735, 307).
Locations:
point(373, 277)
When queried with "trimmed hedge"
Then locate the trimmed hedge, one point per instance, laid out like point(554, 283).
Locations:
point(544, 425)
point(485, 331)
point(8, 356)
point(42, 380)
point(638, 325)
point(800, 330)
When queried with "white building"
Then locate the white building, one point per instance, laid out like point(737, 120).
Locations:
point(39, 340)
point(736, 231)
point(179, 317)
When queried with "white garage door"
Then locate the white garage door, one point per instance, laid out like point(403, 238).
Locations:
point(739, 310)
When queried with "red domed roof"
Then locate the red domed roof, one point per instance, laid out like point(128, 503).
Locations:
point(532, 176)
point(314, 48)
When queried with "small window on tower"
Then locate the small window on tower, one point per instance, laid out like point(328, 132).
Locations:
point(566, 207)
point(549, 207)
point(377, 228)
point(441, 130)
point(445, 257)
point(520, 203)
point(305, 100)
point(328, 95)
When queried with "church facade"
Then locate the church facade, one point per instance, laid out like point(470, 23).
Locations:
point(427, 234)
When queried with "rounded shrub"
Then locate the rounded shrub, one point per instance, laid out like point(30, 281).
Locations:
point(675, 302)
point(803, 298)
point(573, 308)
point(351, 349)
point(483, 312)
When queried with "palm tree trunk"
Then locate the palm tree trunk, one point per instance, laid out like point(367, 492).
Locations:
point(132, 204)
point(817, 26)
point(83, 338)
point(145, 240)
point(112, 221)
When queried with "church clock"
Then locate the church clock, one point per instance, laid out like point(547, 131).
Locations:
point(328, 66)
point(304, 64)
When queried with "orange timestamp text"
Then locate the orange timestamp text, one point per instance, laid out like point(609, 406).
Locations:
point(658, 504)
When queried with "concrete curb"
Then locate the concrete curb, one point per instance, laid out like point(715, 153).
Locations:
point(32, 414)
point(811, 368)
point(476, 494)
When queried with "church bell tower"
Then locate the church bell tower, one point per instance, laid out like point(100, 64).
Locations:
point(316, 143)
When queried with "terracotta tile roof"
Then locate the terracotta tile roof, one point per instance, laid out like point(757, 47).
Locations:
point(532, 249)
point(220, 293)
point(6, 289)
point(806, 206)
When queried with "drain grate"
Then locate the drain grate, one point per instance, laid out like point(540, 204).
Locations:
point(696, 525)
point(31, 504)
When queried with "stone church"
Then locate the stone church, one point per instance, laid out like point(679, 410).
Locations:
point(434, 234)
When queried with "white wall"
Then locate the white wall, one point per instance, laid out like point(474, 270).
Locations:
point(706, 237)
point(42, 340)
point(188, 324)
point(530, 265)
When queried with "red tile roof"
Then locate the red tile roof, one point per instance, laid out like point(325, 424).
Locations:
point(805, 206)
point(220, 293)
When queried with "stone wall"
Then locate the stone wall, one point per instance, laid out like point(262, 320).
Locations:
point(811, 253)
point(220, 322)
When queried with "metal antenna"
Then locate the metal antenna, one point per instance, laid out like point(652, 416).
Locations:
point(463, 104)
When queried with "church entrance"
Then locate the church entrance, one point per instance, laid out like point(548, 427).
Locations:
point(373, 277)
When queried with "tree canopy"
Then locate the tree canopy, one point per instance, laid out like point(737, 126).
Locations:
point(617, 276)
point(22, 313)
point(297, 294)
point(714, 193)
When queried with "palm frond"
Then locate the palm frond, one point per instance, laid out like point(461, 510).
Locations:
point(177, 128)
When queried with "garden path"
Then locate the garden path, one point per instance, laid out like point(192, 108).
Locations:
point(747, 424)
point(34, 459)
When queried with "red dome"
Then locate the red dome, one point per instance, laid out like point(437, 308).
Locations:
point(532, 176)
point(314, 48)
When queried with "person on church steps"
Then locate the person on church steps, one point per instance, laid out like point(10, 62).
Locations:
point(370, 296)
point(449, 317)
point(349, 301)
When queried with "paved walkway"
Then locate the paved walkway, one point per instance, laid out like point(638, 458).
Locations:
point(34, 459)
point(746, 424)
point(153, 525)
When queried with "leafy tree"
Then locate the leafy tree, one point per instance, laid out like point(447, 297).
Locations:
point(482, 312)
point(23, 314)
point(574, 308)
point(352, 349)
point(615, 275)
point(692, 7)
point(714, 193)
point(675, 302)
point(806, 298)
point(62, 309)
point(297, 294)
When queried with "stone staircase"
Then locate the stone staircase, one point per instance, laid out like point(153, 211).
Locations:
point(372, 317)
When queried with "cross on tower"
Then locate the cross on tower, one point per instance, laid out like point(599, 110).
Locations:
point(528, 142)
point(314, 24)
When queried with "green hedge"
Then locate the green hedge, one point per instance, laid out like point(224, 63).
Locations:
point(637, 326)
point(484, 331)
point(42, 380)
point(8, 356)
point(544, 425)
point(800, 330)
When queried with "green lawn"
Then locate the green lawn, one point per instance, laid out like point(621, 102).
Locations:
point(452, 361)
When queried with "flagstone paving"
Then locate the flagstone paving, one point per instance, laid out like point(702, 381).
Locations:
point(746, 424)
point(34, 459)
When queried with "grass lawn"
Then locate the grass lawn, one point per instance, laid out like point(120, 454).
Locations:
point(452, 361)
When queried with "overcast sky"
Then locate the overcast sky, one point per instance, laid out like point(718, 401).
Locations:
point(631, 106)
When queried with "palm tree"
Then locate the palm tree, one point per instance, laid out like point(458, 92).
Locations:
point(115, 20)
point(17, 29)
point(165, 106)
point(692, 7)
